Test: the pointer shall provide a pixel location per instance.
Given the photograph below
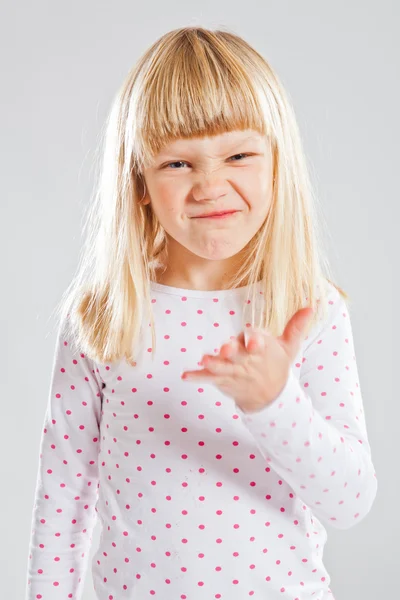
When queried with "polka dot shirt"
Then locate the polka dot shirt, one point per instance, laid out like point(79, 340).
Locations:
point(196, 499)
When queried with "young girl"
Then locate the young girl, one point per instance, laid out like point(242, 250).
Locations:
point(204, 401)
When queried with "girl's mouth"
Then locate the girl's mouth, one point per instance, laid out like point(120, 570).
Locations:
point(218, 215)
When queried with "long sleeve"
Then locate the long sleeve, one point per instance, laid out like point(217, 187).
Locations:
point(314, 433)
point(63, 515)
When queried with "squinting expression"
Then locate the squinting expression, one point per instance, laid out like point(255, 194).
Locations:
point(197, 176)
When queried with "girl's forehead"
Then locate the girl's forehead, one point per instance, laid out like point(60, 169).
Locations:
point(215, 141)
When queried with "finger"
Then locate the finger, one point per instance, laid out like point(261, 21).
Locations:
point(255, 341)
point(256, 345)
point(227, 350)
point(199, 375)
point(230, 350)
point(241, 340)
point(294, 330)
point(207, 375)
point(218, 366)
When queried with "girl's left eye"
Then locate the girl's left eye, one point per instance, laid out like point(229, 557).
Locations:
point(241, 154)
point(184, 162)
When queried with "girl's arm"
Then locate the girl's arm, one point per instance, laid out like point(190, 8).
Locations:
point(314, 434)
point(66, 492)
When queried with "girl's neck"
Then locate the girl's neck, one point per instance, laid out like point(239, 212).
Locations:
point(180, 281)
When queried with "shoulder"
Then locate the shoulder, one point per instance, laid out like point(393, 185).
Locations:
point(332, 298)
point(333, 311)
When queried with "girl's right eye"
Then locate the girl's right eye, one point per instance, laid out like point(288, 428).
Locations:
point(177, 162)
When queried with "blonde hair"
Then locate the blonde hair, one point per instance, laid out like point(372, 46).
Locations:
point(192, 82)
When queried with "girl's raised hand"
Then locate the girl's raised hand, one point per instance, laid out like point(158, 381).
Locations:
point(254, 374)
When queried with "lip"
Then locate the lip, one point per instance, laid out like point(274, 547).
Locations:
point(217, 215)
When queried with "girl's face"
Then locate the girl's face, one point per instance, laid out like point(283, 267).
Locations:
point(192, 177)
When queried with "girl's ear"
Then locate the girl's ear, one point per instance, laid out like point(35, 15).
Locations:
point(145, 198)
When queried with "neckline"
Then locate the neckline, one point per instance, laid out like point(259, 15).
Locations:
point(176, 291)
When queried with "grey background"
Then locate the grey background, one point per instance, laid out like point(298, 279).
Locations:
point(61, 64)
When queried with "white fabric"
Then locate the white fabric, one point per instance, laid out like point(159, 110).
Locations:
point(197, 500)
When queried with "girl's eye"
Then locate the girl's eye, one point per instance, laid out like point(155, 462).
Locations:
point(241, 154)
point(177, 162)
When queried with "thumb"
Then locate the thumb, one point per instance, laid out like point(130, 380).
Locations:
point(294, 332)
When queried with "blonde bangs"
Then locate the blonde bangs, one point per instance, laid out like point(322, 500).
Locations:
point(194, 87)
